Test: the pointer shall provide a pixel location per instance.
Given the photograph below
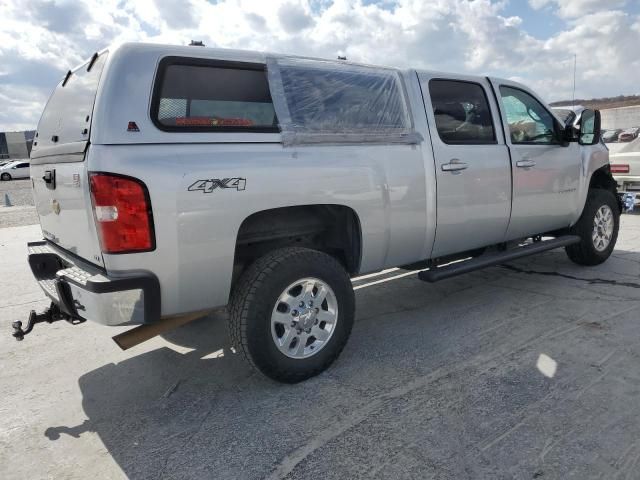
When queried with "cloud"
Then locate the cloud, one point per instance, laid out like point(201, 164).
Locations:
point(256, 21)
point(59, 17)
point(18, 71)
point(21, 107)
point(176, 14)
point(576, 8)
point(294, 18)
point(465, 36)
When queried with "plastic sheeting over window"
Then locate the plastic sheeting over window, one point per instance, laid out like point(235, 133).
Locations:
point(328, 102)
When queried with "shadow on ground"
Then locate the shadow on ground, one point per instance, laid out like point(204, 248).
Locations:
point(437, 380)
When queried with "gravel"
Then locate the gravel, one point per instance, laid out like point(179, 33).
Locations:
point(22, 211)
point(18, 216)
point(19, 192)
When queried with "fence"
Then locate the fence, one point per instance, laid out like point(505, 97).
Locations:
point(624, 117)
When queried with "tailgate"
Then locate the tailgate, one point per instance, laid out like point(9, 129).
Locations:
point(58, 167)
point(63, 202)
point(625, 165)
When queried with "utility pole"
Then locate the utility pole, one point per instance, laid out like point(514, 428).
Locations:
point(573, 97)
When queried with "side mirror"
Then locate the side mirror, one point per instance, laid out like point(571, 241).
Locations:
point(589, 128)
point(569, 134)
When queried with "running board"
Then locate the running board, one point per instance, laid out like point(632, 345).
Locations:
point(437, 274)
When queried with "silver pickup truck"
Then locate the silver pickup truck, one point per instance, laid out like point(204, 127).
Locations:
point(172, 181)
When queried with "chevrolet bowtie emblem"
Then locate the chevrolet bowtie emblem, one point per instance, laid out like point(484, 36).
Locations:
point(55, 206)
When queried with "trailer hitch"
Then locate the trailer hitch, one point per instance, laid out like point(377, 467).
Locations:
point(50, 315)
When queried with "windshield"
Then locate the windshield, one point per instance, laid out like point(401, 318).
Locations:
point(565, 115)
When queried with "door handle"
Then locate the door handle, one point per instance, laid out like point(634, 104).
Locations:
point(50, 179)
point(525, 163)
point(454, 165)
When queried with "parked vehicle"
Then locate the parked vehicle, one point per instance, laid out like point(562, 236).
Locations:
point(14, 169)
point(628, 135)
point(609, 136)
point(569, 114)
point(189, 179)
point(625, 167)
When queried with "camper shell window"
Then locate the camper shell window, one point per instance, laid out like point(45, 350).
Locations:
point(320, 101)
point(66, 118)
point(212, 96)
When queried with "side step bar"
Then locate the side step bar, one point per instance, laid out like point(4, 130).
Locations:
point(436, 274)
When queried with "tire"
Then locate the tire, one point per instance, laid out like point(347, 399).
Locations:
point(256, 308)
point(590, 251)
point(5, 176)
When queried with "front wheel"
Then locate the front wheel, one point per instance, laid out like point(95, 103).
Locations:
point(597, 228)
point(291, 313)
point(5, 176)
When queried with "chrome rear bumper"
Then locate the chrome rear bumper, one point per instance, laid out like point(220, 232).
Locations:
point(85, 291)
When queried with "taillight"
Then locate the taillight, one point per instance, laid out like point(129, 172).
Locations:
point(620, 168)
point(122, 211)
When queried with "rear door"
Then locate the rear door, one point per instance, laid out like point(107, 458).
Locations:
point(473, 171)
point(546, 170)
point(58, 167)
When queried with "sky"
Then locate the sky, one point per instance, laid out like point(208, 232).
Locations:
point(532, 41)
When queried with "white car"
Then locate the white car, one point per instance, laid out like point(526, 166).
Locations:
point(15, 169)
point(625, 168)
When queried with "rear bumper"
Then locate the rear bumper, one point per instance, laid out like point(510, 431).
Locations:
point(627, 180)
point(629, 184)
point(84, 291)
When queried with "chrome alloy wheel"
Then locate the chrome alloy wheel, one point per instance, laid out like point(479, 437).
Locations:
point(603, 223)
point(304, 318)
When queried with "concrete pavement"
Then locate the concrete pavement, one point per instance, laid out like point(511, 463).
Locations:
point(529, 371)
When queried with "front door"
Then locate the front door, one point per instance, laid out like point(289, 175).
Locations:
point(473, 172)
point(546, 170)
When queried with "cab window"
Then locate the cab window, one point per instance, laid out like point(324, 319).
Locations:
point(529, 121)
point(461, 111)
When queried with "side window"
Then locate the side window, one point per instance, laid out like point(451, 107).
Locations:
point(529, 121)
point(343, 100)
point(200, 95)
point(462, 112)
point(22, 165)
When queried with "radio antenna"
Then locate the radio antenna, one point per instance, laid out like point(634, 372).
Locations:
point(573, 97)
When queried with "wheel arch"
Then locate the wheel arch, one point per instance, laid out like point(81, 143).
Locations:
point(603, 179)
point(332, 228)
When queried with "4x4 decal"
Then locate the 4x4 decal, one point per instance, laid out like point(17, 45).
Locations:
point(209, 185)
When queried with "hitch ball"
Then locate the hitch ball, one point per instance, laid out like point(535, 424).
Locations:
point(18, 333)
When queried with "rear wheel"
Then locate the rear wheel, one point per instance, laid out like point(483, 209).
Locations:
point(5, 176)
point(291, 313)
point(597, 228)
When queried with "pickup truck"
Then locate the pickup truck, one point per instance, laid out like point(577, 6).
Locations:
point(172, 181)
